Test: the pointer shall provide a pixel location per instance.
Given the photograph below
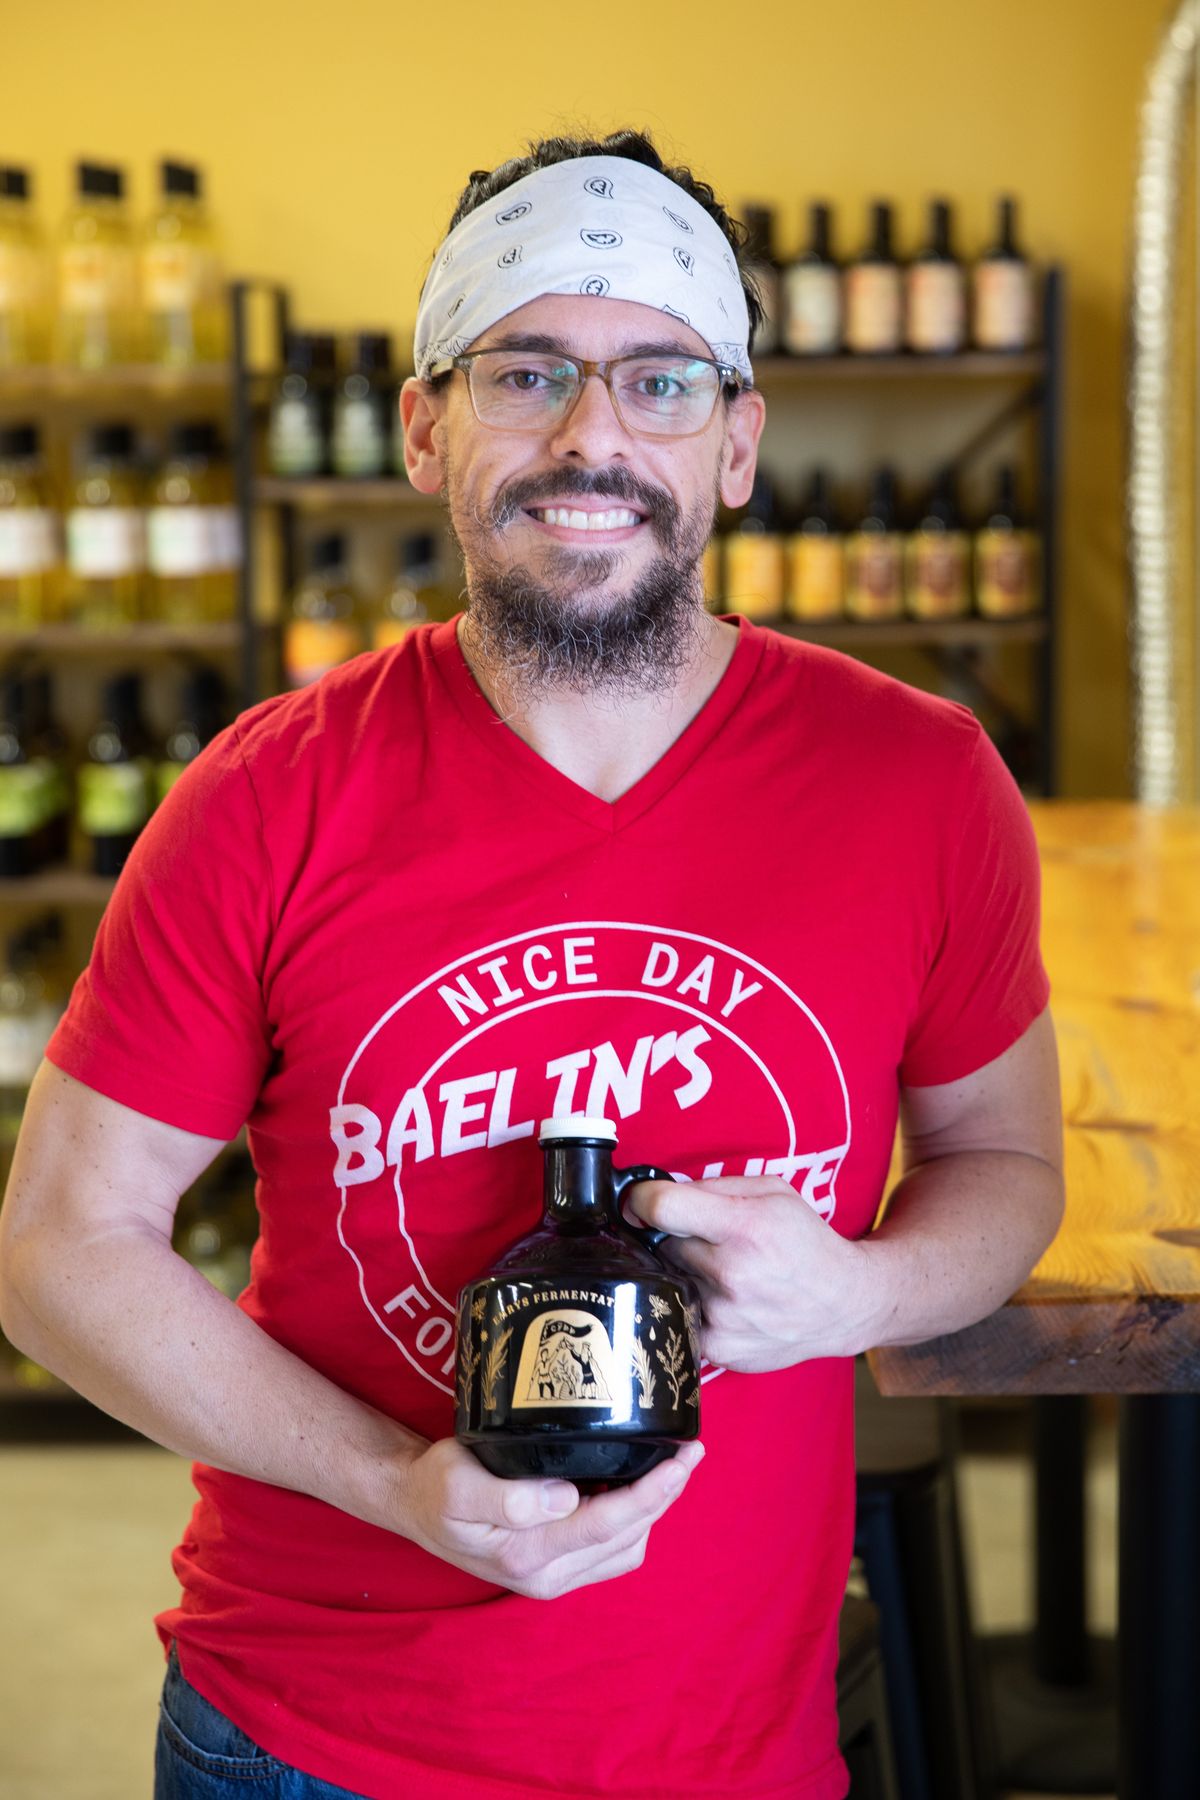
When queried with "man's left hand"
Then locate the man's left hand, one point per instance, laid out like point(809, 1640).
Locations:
point(777, 1284)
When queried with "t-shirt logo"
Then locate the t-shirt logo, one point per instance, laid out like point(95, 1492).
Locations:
point(602, 240)
point(707, 1062)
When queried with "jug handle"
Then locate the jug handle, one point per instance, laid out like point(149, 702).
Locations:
point(623, 1178)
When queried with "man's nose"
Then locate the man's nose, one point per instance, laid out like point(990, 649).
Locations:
point(592, 430)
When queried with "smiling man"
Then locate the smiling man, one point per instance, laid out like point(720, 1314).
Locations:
point(587, 849)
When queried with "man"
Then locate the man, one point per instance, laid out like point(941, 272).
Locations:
point(586, 849)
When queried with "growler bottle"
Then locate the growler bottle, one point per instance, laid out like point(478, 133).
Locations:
point(577, 1352)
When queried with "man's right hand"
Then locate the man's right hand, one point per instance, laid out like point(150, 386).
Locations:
point(539, 1538)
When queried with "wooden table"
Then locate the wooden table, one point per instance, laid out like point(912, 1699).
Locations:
point(1114, 1305)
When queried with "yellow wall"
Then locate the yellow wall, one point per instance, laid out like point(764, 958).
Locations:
point(336, 138)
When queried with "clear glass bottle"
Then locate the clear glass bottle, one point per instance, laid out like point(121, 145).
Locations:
point(191, 526)
point(106, 531)
point(359, 442)
point(24, 276)
point(935, 309)
point(1003, 299)
point(937, 556)
point(816, 557)
point(116, 780)
point(203, 706)
point(812, 292)
point(417, 594)
point(96, 320)
point(185, 314)
point(874, 291)
point(30, 552)
point(875, 555)
point(1007, 556)
point(324, 625)
point(754, 555)
point(299, 425)
point(764, 268)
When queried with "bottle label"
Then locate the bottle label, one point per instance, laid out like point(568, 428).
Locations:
point(813, 315)
point(106, 540)
point(937, 565)
point(1003, 311)
point(114, 798)
point(179, 539)
point(754, 573)
point(817, 575)
point(95, 278)
point(875, 575)
point(295, 438)
point(176, 277)
point(311, 647)
point(1006, 574)
point(226, 529)
point(359, 441)
point(873, 307)
point(22, 799)
point(28, 540)
point(936, 307)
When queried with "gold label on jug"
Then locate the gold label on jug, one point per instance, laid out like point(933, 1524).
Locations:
point(566, 1360)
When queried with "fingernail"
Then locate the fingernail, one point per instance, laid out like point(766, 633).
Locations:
point(558, 1497)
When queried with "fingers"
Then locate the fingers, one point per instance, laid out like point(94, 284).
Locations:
point(691, 1209)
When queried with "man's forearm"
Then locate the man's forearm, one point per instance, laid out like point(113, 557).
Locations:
point(959, 1237)
point(135, 1329)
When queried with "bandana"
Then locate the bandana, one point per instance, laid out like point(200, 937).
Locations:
point(598, 225)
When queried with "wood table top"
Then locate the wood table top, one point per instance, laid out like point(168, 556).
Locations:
point(1114, 1304)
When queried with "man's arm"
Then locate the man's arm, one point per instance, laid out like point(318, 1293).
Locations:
point(979, 1201)
point(91, 1288)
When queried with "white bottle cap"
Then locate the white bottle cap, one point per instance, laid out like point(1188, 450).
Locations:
point(575, 1126)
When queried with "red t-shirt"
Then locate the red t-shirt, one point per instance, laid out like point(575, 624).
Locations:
point(375, 924)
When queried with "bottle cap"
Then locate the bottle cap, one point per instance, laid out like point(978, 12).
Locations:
point(311, 352)
point(327, 552)
point(114, 442)
point(180, 178)
point(92, 178)
point(418, 551)
point(371, 351)
point(203, 694)
point(577, 1126)
point(760, 225)
point(121, 696)
point(115, 183)
point(19, 440)
point(324, 352)
point(14, 183)
point(195, 437)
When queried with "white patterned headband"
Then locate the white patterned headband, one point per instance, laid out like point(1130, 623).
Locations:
point(597, 225)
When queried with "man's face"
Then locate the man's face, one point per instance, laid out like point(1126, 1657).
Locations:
point(614, 606)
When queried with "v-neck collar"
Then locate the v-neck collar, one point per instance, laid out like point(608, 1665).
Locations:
point(559, 790)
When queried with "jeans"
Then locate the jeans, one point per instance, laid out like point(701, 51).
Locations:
point(202, 1755)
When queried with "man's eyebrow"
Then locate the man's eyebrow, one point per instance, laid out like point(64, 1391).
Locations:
point(536, 340)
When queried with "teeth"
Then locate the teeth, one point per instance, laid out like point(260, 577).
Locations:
point(582, 521)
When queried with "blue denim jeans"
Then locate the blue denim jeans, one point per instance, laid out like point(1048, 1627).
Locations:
point(202, 1755)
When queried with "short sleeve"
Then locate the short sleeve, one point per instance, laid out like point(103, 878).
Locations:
point(987, 982)
point(168, 1017)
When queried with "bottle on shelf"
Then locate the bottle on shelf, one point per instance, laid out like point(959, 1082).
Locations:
point(754, 555)
point(816, 556)
point(1003, 289)
point(324, 624)
point(937, 556)
point(812, 292)
point(298, 426)
point(184, 314)
point(48, 748)
point(96, 318)
point(764, 268)
point(1007, 556)
point(192, 530)
point(875, 555)
point(203, 709)
point(360, 441)
point(935, 309)
point(874, 291)
point(106, 531)
point(416, 596)
point(23, 785)
point(116, 779)
point(24, 276)
point(30, 553)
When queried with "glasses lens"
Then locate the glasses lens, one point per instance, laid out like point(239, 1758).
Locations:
point(515, 389)
point(670, 395)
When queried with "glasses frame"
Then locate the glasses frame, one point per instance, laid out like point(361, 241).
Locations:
point(730, 378)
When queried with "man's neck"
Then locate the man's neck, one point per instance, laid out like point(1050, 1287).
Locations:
point(606, 743)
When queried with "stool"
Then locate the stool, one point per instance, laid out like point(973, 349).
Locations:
point(863, 1735)
point(908, 1539)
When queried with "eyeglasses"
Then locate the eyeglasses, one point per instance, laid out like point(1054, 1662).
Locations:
point(653, 396)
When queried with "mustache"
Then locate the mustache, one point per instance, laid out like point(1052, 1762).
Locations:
point(607, 484)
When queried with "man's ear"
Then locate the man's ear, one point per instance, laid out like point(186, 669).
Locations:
point(744, 421)
point(422, 413)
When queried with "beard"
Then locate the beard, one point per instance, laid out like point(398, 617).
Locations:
point(558, 630)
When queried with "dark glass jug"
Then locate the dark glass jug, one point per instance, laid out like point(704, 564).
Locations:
point(577, 1351)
